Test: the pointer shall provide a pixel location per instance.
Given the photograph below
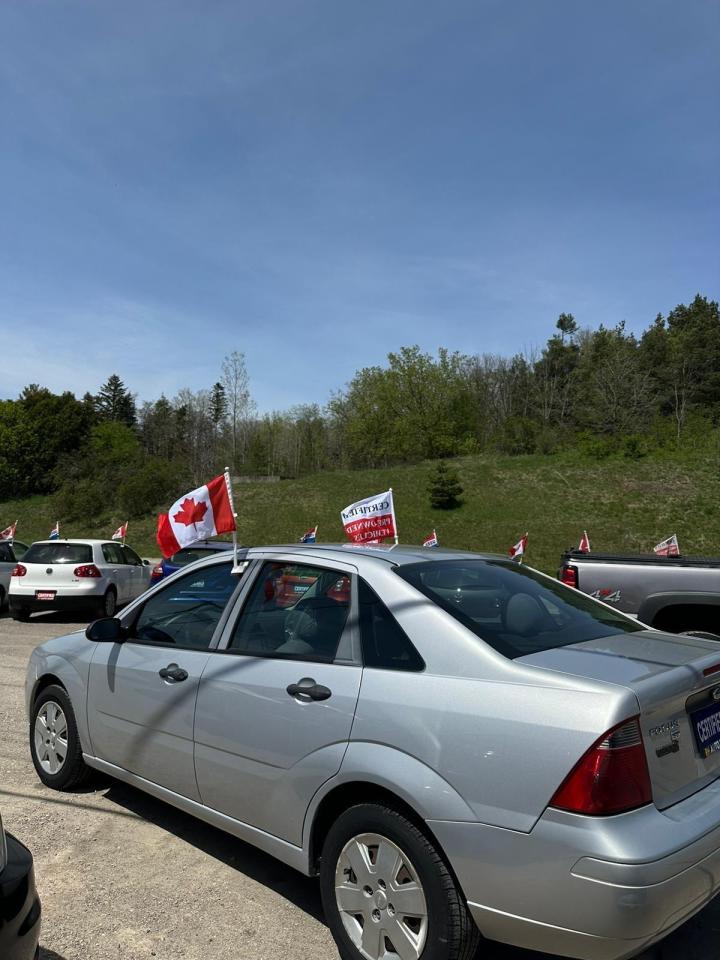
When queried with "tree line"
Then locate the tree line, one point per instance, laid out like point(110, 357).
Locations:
point(604, 391)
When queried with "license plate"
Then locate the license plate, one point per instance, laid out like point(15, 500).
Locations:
point(706, 724)
point(45, 594)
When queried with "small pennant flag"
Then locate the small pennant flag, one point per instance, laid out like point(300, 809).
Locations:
point(668, 548)
point(430, 540)
point(518, 551)
point(121, 532)
point(9, 532)
point(309, 536)
point(55, 532)
point(584, 545)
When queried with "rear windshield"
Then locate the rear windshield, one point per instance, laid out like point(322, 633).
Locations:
point(190, 554)
point(59, 553)
point(513, 609)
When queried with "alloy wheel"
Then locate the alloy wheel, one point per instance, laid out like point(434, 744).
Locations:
point(380, 899)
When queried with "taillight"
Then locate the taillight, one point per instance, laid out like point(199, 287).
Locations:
point(569, 576)
point(18, 570)
point(157, 572)
point(87, 570)
point(612, 777)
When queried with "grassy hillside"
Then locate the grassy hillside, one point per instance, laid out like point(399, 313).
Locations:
point(625, 506)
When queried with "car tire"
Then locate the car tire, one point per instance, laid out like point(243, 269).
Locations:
point(57, 758)
point(365, 910)
point(108, 604)
point(3, 598)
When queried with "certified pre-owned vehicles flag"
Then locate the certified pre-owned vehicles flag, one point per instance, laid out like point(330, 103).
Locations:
point(198, 515)
point(371, 519)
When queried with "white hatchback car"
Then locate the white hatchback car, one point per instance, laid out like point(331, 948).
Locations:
point(90, 576)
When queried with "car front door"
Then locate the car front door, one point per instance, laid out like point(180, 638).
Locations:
point(277, 699)
point(141, 692)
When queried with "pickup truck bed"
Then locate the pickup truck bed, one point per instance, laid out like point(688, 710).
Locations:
point(677, 594)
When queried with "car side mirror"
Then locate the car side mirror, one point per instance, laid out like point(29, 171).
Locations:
point(146, 563)
point(106, 630)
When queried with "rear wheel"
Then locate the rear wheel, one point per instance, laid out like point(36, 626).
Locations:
point(3, 598)
point(388, 893)
point(54, 742)
point(108, 604)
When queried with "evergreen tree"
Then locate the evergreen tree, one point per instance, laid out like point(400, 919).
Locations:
point(218, 405)
point(114, 403)
point(444, 487)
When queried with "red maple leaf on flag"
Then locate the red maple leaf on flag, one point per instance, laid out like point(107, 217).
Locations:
point(190, 512)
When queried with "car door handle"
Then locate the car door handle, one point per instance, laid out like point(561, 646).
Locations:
point(306, 689)
point(173, 672)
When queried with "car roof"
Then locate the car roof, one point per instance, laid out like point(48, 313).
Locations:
point(86, 541)
point(392, 554)
point(207, 545)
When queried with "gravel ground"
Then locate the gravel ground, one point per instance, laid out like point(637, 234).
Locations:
point(122, 875)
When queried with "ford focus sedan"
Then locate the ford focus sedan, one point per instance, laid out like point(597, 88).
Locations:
point(457, 745)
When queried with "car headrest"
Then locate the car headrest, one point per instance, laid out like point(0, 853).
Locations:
point(523, 615)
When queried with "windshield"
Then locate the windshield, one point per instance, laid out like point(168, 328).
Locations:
point(190, 554)
point(515, 610)
point(59, 553)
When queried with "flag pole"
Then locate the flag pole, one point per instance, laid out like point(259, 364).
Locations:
point(228, 484)
point(125, 531)
point(394, 517)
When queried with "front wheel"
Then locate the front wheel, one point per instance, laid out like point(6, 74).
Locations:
point(54, 741)
point(388, 893)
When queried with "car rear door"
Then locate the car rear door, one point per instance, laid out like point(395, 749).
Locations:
point(116, 570)
point(138, 576)
point(277, 699)
point(141, 693)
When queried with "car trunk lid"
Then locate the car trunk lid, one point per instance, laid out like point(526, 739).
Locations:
point(676, 680)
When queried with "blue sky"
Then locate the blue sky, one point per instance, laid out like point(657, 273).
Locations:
point(316, 183)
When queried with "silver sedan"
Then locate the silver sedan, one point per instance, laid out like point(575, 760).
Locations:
point(459, 746)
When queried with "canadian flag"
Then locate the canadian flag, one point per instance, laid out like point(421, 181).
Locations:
point(584, 545)
point(668, 548)
point(9, 532)
point(519, 549)
point(198, 515)
point(121, 532)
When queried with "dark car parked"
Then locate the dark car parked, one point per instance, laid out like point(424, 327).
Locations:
point(19, 902)
point(198, 551)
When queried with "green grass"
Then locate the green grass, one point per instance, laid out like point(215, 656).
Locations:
point(626, 506)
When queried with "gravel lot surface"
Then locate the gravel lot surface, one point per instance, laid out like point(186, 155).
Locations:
point(122, 875)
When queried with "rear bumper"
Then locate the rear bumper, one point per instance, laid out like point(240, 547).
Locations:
point(591, 888)
point(19, 905)
point(83, 604)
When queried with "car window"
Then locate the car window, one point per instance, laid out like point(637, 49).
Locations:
point(112, 553)
point(514, 609)
point(59, 553)
point(295, 612)
point(6, 554)
point(131, 557)
point(384, 642)
point(19, 549)
point(190, 554)
point(186, 612)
